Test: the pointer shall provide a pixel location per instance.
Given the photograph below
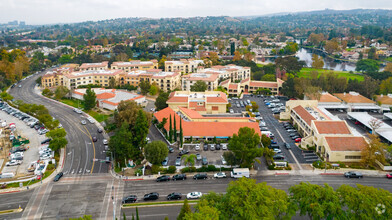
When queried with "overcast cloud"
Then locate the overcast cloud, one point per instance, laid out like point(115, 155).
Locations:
point(68, 11)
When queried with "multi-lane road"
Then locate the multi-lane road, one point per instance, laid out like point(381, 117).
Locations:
point(83, 156)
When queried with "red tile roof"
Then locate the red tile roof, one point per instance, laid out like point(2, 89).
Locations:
point(221, 99)
point(105, 95)
point(349, 98)
point(233, 86)
point(190, 113)
point(263, 84)
point(203, 129)
point(305, 115)
point(346, 143)
point(332, 127)
point(177, 99)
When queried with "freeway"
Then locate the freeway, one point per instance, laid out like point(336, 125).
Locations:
point(83, 156)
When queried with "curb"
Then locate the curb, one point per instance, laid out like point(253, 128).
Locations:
point(15, 191)
point(132, 179)
point(158, 205)
point(282, 173)
point(331, 174)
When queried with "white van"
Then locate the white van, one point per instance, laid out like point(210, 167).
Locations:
point(240, 172)
point(6, 175)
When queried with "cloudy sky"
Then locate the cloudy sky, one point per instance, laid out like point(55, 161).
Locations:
point(67, 11)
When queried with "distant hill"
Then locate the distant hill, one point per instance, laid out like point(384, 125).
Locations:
point(326, 12)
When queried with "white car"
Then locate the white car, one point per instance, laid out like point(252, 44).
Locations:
point(231, 111)
point(90, 120)
point(46, 151)
point(83, 122)
point(277, 150)
point(194, 195)
point(223, 160)
point(13, 163)
point(45, 157)
point(220, 175)
point(197, 147)
point(105, 142)
point(224, 146)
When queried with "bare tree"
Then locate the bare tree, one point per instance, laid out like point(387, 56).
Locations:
point(375, 124)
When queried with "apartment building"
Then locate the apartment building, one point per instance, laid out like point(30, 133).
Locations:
point(94, 66)
point(209, 102)
point(135, 65)
point(166, 81)
point(98, 77)
point(55, 77)
point(356, 102)
point(251, 86)
point(230, 71)
point(211, 79)
point(184, 65)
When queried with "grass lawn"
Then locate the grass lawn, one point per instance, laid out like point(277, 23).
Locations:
point(260, 65)
point(98, 116)
point(305, 72)
point(72, 102)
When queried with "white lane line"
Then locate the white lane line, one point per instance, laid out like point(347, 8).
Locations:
point(86, 159)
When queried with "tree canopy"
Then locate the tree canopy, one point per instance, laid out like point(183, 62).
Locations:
point(199, 86)
point(155, 152)
point(90, 99)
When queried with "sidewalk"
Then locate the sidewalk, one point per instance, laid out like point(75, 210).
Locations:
point(375, 173)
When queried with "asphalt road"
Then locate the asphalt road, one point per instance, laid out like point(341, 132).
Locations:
point(82, 155)
point(284, 182)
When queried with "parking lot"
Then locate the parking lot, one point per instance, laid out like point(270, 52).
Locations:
point(281, 136)
point(32, 152)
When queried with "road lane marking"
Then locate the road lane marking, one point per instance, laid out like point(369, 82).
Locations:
point(92, 168)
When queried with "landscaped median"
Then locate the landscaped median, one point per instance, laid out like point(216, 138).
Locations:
point(9, 211)
point(165, 203)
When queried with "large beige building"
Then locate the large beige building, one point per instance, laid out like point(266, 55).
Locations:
point(184, 65)
point(98, 77)
point(251, 86)
point(209, 102)
point(211, 79)
point(332, 138)
point(54, 78)
point(135, 65)
point(94, 66)
point(230, 71)
point(166, 81)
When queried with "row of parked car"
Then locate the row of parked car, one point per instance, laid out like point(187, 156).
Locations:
point(155, 196)
point(292, 131)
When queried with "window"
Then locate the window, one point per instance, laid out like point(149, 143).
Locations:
point(352, 157)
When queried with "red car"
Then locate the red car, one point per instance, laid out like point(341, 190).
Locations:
point(298, 140)
point(357, 123)
point(389, 175)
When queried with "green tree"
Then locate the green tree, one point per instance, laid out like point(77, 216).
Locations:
point(160, 102)
point(204, 211)
point(186, 208)
point(121, 144)
point(170, 129)
point(181, 133)
point(127, 111)
point(386, 86)
point(144, 87)
point(245, 146)
point(268, 77)
point(6, 97)
point(112, 83)
point(90, 99)
point(316, 201)
point(374, 150)
point(60, 92)
point(161, 63)
point(290, 64)
point(47, 92)
point(153, 89)
point(189, 159)
point(85, 217)
point(266, 141)
point(255, 106)
point(155, 152)
point(199, 86)
point(367, 66)
point(58, 139)
point(317, 61)
point(140, 130)
point(174, 127)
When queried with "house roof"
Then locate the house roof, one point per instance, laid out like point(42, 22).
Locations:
point(233, 86)
point(346, 143)
point(326, 97)
point(352, 97)
point(385, 99)
point(190, 113)
point(177, 99)
point(222, 98)
point(263, 84)
point(105, 95)
point(203, 129)
point(331, 127)
point(305, 115)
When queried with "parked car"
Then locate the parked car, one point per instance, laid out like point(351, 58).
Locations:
point(224, 146)
point(194, 195)
point(223, 160)
point(178, 161)
point(13, 163)
point(179, 177)
point(389, 175)
point(220, 175)
point(183, 152)
point(151, 196)
point(231, 111)
point(212, 147)
point(205, 147)
point(105, 141)
point(204, 161)
point(99, 130)
point(218, 147)
point(129, 199)
point(58, 177)
point(163, 178)
point(278, 157)
point(277, 150)
point(298, 140)
point(198, 157)
point(353, 174)
point(197, 147)
point(200, 176)
point(90, 120)
point(171, 150)
point(174, 195)
point(165, 161)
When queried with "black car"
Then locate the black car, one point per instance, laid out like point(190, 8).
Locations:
point(205, 147)
point(278, 157)
point(129, 199)
point(94, 139)
point(171, 150)
point(17, 149)
point(217, 147)
point(183, 152)
point(46, 141)
point(179, 177)
point(204, 161)
point(200, 176)
point(287, 145)
point(353, 174)
point(58, 176)
point(100, 130)
point(174, 195)
point(151, 196)
point(273, 146)
point(163, 178)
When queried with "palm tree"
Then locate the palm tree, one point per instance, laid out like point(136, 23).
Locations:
point(189, 159)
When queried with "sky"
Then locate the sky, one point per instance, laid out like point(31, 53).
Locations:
point(70, 11)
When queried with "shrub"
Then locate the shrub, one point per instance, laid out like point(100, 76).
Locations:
point(155, 169)
point(271, 166)
point(50, 167)
point(171, 169)
point(188, 170)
